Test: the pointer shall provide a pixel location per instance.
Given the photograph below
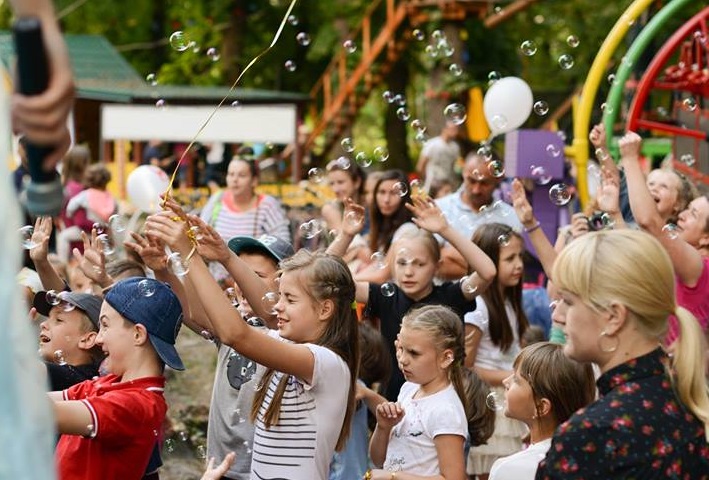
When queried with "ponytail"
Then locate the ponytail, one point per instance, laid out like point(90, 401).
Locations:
point(688, 364)
point(473, 393)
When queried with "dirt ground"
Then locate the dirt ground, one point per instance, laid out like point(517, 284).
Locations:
point(188, 394)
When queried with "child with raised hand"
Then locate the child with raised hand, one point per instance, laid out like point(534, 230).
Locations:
point(300, 417)
point(423, 434)
point(545, 389)
point(416, 260)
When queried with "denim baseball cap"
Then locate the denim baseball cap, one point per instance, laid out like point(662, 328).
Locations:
point(89, 304)
point(273, 246)
point(154, 305)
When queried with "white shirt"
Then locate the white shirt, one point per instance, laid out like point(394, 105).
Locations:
point(301, 444)
point(411, 448)
point(522, 465)
point(489, 355)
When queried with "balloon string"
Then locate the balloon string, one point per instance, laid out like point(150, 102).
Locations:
point(231, 89)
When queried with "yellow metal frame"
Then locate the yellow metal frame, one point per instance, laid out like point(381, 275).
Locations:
point(583, 107)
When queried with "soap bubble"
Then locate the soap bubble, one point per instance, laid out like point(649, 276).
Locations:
point(438, 35)
point(202, 452)
point(553, 150)
point(117, 223)
point(146, 288)
point(467, 285)
point(559, 194)
point(611, 78)
point(106, 244)
point(303, 39)
point(311, 228)
point(160, 103)
point(354, 218)
point(539, 175)
point(169, 445)
point(421, 137)
point(689, 104)
point(418, 34)
point(601, 154)
point(495, 401)
point(99, 228)
point(541, 108)
point(499, 122)
point(152, 79)
point(671, 231)
point(381, 154)
point(236, 104)
point(290, 65)
point(59, 357)
point(363, 160)
point(403, 114)
point(379, 260)
point(573, 41)
point(343, 162)
point(399, 99)
point(52, 298)
point(496, 168)
point(528, 48)
point(388, 290)
point(566, 61)
point(293, 20)
point(183, 436)
point(177, 265)
point(316, 175)
point(179, 41)
point(388, 96)
point(493, 76)
point(348, 145)
point(418, 125)
point(503, 240)
point(213, 54)
point(455, 69)
point(431, 51)
point(455, 113)
point(400, 189)
point(26, 233)
point(350, 46)
point(687, 159)
point(269, 302)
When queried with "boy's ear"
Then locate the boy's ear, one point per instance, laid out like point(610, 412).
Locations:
point(88, 341)
point(140, 334)
point(327, 308)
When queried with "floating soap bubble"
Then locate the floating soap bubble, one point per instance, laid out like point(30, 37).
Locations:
point(431, 51)
point(52, 298)
point(605, 108)
point(541, 108)
point(573, 41)
point(418, 125)
point(438, 35)
point(348, 145)
point(343, 162)
point(455, 69)
point(26, 233)
point(688, 159)
point(528, 48)
point(417, 188)
point(601, 154)
point(169, 445)
point(388, 289)
point(183, 436)
point(354, 218)
point(290, 65)
point(381, 154)
point(503, 240)
point(379, 260)
point(146, 288)
point(400, 189)
point(455, 113)
point(160, 103)
point(671, 231)
point(566, 61)
point(303, 39)
point(611, 78)
point(553, 150)
point(269, 302)
point(311, 228)
point(316, 175)
point(117, 223)
point(202, 452)
point(404, 255)
point(195, 47)
point(99, 228)
point(350, 46)
point(179, 41)
point(495, 401)
point(539, 175)
point(388, 96)
point(499, 122)
point(421, 137)
point(236, 104)
point(399, 99)
point(107, 246)
point(493, 76)
point(363, 160)
point(213, 54)
point(152, 79)
point(402, 113)
point(64, 303)
point(496, 168)
point(467, 285)
point(59, 357)
point(559, 194)
point(446, 49)
point(293, 20)
point(485, 151)
point(177, 265)
point(689, 104)
point(418, 34)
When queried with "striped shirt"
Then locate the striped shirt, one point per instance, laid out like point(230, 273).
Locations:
point(300, 446)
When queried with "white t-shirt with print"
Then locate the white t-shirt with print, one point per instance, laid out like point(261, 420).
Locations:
point(411, 448)
point(489, 355)
point(301, 444)
point(522, 465)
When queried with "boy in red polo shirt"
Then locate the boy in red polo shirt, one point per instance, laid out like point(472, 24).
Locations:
point(109, 425)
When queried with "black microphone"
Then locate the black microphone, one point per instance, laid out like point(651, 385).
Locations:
point(44, 193)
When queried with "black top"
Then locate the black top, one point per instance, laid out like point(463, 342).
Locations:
point(390, 310)
point(638, 429)
point(62, 377)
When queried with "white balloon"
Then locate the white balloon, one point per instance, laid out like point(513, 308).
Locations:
point(144, 186)
point(507, 104)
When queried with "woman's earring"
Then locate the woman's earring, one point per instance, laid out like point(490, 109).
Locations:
point(607, 343)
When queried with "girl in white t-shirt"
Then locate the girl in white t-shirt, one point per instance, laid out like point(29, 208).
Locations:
point(545, 389)
point(425, 431)
point(493, 331)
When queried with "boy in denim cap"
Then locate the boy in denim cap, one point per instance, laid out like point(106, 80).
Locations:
point(109, 425)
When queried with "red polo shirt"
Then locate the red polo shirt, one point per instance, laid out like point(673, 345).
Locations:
point(127, 419)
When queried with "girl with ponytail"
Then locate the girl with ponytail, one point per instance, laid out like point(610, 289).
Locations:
point(650, 422)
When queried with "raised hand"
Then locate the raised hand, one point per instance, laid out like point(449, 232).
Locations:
point(210, 245)
point(608, 193)
point(93, 261)
point(579, 225)
point(352, 218)
point(216, 473)
point(389, 414)
point(170, 229)
point(427, 215)
point(629, 145)
point(598, 136)
point(40, 238)
point(521, 205)
point(150, 250)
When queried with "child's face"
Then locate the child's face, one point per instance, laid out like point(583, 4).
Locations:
point(519, 399)
point(63, 331)
point(419, 359)
point(116, 338)
point(265, 268)
point(300, 318)
point(664, 188)
point(692, 223)
point(78, 282)
point(510, 266)
point(414, 268)
point(341, 184)
point(388, 200)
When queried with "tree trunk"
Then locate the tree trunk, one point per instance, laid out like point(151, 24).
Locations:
point(395, 129)
point(233, 43)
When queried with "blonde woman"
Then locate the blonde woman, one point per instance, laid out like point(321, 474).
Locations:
point(617, 292)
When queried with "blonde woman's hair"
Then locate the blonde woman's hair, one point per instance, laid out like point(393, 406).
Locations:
point(632, 268)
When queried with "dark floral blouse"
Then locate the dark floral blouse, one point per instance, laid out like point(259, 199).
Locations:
point(638, 429)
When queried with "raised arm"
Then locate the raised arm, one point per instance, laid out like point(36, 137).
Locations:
point(39, 254)
point(686, 260)
point(600, 143)
point(428, 216)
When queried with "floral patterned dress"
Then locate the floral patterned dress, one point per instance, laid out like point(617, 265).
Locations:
point(638, 429)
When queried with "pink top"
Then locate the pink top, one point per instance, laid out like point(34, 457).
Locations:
point(695, 299)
